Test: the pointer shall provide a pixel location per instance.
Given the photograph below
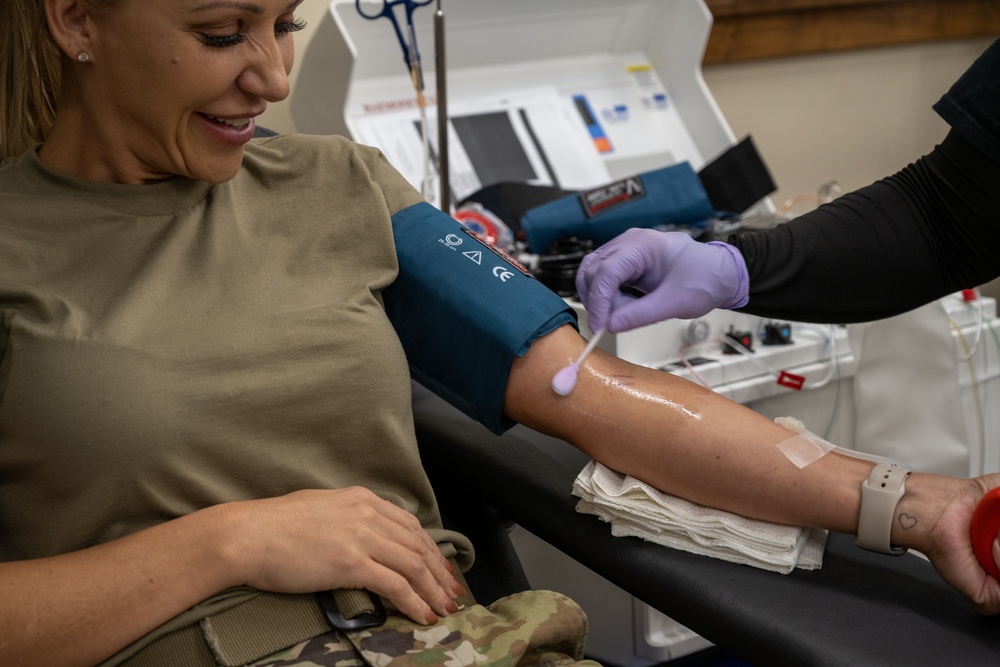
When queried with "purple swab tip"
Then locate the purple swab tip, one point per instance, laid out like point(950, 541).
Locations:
point(564, 381)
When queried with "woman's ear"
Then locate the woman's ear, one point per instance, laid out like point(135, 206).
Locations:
point(70, 27)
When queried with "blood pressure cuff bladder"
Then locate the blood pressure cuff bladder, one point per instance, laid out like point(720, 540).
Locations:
point(671, 196)
point(463, 312)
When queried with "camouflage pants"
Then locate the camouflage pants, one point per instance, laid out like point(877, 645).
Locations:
point(530, 628)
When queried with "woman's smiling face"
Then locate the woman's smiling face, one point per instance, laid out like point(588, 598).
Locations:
point(172, 87)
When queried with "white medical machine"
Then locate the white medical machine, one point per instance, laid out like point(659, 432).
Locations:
point(575, 93)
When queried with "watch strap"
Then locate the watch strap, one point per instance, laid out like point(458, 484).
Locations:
point(880, 494)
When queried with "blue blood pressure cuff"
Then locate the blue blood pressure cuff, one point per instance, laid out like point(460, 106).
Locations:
point(672, 196)
point(463, 312)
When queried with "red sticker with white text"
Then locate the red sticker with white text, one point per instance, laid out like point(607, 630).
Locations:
point(791, 380)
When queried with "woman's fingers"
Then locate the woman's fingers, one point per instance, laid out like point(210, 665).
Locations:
point(350, 538)
point(408, 551)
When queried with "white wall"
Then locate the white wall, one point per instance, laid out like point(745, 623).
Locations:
point(851, 117)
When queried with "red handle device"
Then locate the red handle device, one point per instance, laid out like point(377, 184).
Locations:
point(984, 527)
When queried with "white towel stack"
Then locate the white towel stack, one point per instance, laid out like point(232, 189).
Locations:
point(635, 509)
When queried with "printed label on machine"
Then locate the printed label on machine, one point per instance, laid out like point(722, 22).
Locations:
point(607, 197)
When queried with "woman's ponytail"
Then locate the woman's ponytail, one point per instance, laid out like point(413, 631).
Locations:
point(29, 76)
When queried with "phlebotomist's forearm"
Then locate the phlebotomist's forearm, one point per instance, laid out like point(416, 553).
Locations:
point(924, 232)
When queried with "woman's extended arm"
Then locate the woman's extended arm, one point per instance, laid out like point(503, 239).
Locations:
point(693, 443)
point(82, 607)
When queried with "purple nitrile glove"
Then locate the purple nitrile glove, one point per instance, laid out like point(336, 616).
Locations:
point(682, 278)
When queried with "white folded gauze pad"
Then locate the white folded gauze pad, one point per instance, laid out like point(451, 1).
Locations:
point(635, 509)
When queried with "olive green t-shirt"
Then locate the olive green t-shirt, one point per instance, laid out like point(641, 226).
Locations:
point(172, 346)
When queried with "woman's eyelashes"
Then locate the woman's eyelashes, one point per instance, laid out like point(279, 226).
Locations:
point(280, 30)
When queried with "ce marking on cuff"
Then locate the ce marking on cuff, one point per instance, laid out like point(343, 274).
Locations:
point(502, 273)
point(454, 241)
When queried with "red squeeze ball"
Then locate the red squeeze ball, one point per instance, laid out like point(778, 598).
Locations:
point(984, 527)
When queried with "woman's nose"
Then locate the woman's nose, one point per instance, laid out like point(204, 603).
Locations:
point(267, 76)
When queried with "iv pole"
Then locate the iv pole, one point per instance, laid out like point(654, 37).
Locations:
point(442, 108)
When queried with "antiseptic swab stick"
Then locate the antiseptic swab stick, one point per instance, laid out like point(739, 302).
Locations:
point(564, 381)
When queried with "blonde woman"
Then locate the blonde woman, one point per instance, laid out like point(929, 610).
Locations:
point(205, 352)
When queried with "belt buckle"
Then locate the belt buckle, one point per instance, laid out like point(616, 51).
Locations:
point(363, 620)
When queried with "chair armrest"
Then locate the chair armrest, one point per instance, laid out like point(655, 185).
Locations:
point(860, 608)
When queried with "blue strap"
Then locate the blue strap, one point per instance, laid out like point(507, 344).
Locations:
point(463, 312)
point(671, 196)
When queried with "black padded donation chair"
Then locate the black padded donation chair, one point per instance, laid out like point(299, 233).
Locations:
point(860, 608)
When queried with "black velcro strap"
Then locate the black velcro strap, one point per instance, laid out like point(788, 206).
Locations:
point(737, 179)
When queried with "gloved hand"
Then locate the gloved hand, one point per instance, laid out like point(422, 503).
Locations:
point(681, 278)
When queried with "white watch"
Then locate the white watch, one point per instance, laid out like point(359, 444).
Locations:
point(880, 494)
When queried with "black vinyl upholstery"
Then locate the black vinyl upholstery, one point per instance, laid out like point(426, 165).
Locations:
point(861, 608)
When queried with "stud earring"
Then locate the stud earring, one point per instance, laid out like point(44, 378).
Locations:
point(83, 56)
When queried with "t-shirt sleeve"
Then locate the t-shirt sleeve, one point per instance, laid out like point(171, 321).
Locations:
point(889, 247)
point(915, 236)
point(398, 192)
point(463, 312)
point(972, 105)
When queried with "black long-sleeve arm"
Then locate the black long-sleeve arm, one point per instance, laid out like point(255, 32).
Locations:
point(929, 230)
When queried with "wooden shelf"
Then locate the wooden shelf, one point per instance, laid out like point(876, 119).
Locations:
point(756, 29)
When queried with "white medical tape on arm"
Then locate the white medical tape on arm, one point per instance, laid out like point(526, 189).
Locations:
point(802, 453)
point(804, 448)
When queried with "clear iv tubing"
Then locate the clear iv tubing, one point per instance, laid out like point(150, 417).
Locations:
point(974, 387)
point(979, 331)
point(427, 182)
point(416, 77)
point(831, 341)
point(797, 427)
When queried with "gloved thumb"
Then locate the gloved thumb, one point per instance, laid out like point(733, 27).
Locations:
point(630, 313)
point(623, 312)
